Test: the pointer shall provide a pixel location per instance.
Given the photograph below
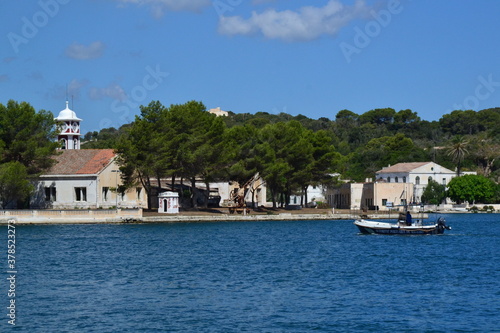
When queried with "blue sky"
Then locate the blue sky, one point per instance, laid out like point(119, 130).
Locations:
point(312, 58)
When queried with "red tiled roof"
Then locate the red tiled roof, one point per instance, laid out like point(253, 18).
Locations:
point(81, 162)
point(402, 167)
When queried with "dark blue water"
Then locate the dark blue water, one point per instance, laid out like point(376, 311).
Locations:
point(307, 276)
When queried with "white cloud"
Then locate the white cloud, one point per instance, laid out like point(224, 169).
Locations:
point(113, 91)
point(307, 23)
point(159, 7)
point(84, 52)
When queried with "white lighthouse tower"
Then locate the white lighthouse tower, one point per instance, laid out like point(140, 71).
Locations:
point(69, 129)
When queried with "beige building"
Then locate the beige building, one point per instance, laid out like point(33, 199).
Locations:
point(398, 185)
point(218, 112)
point(86, 179)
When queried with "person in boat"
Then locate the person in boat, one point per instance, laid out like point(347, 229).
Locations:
point(408, 218)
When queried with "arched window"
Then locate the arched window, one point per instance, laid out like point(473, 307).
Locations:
point(429, 180)
point(63, 144)
point(417, 180)
point(396, 180)
point(404, 179)
point(388, 179)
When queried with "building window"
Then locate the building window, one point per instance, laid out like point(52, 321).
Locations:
point(80, 194)
point(388, 179)
point(384, 202)
point(63, 143)
point(404, 179)
point(444, 181)
point(396, 180)
point(105, 191)
point(417, 180)
point(50, 194)
point(404, 202)
point(429, 180)
point(138, 190)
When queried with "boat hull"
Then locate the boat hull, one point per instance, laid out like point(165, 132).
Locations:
point(384, 228)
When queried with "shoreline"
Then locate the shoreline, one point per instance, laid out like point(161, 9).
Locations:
point(203, 216)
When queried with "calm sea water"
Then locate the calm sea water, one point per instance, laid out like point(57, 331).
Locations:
point(299, 276)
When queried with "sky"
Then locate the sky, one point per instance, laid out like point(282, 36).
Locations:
point(315, 58)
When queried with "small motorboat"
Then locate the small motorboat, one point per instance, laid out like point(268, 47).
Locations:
point(404, 226)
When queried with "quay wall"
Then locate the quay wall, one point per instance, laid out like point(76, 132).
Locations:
point(49, 216)
point(136, 216)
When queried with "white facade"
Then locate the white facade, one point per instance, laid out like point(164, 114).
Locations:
point(84, 179)
point(168, 202)
point(218, 112)
point(314, 194)
point(419, 174)
point(397, 185)
point(256, 192)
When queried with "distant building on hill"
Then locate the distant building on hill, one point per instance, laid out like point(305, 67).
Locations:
point(218, 112)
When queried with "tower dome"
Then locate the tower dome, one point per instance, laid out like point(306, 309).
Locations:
point(69, 129)
point(67, 114)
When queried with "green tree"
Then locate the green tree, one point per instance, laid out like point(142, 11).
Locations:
point(292, 157)
point(460, 122)
point(27, 136)
point(434, 193)
point(380, 152)
point(201, 149)
point(241, 148)
point(271, 154)
point(180, 141)
point(324, 161)
point(27, 143)
point(472, 189)
point(14, 184)
point(458, 151)
point(485, 151)
point(378, 116)
point(140, 149)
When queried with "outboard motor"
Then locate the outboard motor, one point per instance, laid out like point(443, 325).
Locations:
point(441, 222)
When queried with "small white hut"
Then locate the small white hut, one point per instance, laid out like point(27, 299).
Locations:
point(168, 202)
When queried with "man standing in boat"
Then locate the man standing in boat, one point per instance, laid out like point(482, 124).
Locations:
point(408, 218)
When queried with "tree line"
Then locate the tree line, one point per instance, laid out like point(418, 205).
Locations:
point(184, 142)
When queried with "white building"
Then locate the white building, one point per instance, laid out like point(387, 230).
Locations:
point(218, 112)
point(315, 194)
point(400, 184)
point(419, 174)
point(87, 178)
